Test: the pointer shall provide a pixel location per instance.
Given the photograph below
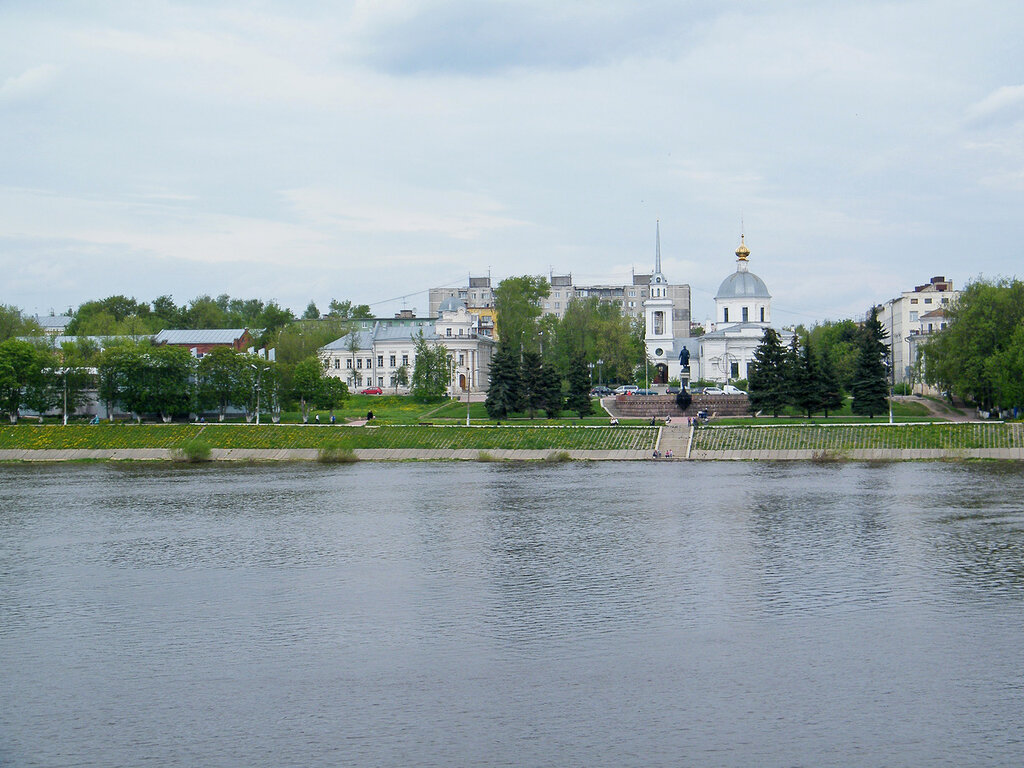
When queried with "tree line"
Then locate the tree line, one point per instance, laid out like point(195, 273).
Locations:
point(979, 356)
point(162, 381)
point(803, 375)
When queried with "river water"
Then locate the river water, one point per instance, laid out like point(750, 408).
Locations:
point(605, 614)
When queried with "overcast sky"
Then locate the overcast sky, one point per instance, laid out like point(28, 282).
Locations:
point(370, 150)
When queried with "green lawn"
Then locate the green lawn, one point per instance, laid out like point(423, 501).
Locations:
point(902, 411)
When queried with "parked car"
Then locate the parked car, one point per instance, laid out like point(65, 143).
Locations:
point(627, 389)
point(672, 391)
point(371, 391)
point(729, 389)
point(645, 392)
point(713, 391)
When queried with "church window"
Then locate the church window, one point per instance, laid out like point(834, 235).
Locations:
point(725, 319)
point(762, 314)
point(659, 323)
point(734, 370)
point(746, 314)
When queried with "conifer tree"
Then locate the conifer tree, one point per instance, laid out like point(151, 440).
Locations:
point(551, 391)
point(766, 375)
point(579, 388)
point(831, 392)
point(870, 385)
point(807, 389)
point(530, 383)
point(503, 392)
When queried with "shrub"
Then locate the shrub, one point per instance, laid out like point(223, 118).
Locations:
point(194, 450)
point(484, 456)
point(336, 455)
point(557, 457)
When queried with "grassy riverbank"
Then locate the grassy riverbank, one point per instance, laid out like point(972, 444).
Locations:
point(270, 436)
point(852, 437)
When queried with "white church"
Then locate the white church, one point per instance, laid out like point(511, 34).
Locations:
point(743, 309)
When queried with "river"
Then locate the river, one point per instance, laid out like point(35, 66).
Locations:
point(605, 614)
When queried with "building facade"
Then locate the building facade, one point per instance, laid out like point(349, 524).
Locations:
point(909, 318)
point(743, 309)
point(373, 355)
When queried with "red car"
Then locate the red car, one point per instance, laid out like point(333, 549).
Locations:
point(371, 391)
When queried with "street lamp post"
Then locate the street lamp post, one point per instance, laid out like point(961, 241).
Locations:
point(65, 372)
point(258, 373)
point(600, 375)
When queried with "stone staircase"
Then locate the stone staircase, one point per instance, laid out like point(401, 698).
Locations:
point(675, 437)
point(660, 406)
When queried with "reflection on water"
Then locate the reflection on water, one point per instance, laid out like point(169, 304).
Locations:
point(434, 614)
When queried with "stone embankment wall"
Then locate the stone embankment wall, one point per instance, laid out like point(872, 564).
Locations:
point(645, 406)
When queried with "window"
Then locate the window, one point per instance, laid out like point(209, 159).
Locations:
point(392, 359)
point(725, 312)
point(746, 315)
point(348, 363)
point(461, 330)
point(927, 301)
point(405, 359)
point(945, 300)
point(632, 293)
point(448, 332)
point(337, 363)
point(913, 317)
point(557, 305)
point(369, 363)
point(462, 359)
point(762, 314)
point(913, 301)
point(659, 323)
point(734, 370)
point(380, 361)
point(359, 362)
point(380, 381)
point(558, 295)
point(930, 328)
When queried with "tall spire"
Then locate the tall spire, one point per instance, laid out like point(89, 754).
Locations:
point(657, 247)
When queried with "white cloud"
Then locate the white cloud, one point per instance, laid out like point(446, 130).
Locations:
point(28, 83)
point(1007, 101)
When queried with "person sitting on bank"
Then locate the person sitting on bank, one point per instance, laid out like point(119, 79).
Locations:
point(613, 421)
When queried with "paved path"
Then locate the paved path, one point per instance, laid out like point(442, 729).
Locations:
point(311, 454)
point(675, 437)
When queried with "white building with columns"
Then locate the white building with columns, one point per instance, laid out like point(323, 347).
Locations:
point(372, 357)
point(743, 309)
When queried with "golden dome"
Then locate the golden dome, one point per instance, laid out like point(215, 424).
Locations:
point(742, 252)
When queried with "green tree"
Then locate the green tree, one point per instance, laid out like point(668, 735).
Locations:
point(578, 382)
point(13, 323)
point(301, 339)
point(530, 392)
point(141, 379)
point(258, 385)
point(43, 391)
point(345, 310)
point(838, 343)
point(503, 391)
point(550, 391)
point(221, 380)
point(431, 372)
point(870, 385)
point(767, 375)
point(517, 301)
point(808, 394)
point(306, 384)
point(311, 313)
point(401, 377)
point(969, 355)
point(332, 395)
point(18, 360)
point(831, 393)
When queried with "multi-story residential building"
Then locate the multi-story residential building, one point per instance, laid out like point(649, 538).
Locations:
point(910, 317)
point(478, 296)
point(375, 351)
